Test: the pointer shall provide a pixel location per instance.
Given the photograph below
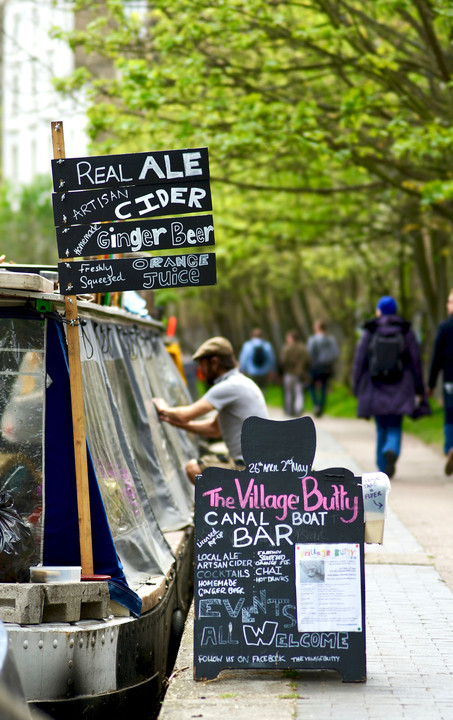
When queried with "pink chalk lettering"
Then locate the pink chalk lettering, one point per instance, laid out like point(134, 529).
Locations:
point(217, 500)
point(340, 501)
point(256, 498)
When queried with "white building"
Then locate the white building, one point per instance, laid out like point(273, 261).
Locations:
point(29, 103)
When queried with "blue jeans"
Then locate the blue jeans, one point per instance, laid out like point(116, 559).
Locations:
point(318, 391)
point(448, 416)
point(448, 437)
point(389, 430)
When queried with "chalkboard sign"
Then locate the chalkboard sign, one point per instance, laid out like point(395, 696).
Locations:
point(136, 203)
point(142, 273)
point(188, 232)
point(279, 561)
point(125, 203)
point(145, 168)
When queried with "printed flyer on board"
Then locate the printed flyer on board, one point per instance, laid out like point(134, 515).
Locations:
point(328, 587)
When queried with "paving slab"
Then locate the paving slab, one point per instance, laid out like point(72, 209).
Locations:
point(409, 625)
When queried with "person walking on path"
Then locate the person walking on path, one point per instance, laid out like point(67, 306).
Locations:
point(295, 365)
point(257, 358)
point(387, 378)
point(323, 351)
point(233, 396)
point(442, 362)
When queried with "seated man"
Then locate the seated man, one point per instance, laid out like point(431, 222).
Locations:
point(233, 395)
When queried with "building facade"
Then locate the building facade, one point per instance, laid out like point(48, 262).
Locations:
point(30, 59)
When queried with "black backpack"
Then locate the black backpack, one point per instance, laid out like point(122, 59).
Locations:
point(325, 353)
point(259, 355)
point(386, 363)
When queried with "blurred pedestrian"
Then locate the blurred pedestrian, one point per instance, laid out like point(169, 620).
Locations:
point(233, 396)
point(387, 378)
point(323, 351)
point(295, 366)
point(257, 358)
point(442, 362)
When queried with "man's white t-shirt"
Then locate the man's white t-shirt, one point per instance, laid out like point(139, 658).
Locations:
point(236, 398)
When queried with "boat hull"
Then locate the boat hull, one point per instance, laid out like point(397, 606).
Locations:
point(96, 668)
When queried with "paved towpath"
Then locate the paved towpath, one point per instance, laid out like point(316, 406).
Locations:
point(409, 610)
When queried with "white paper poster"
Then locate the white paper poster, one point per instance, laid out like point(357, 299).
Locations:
point(328, 586)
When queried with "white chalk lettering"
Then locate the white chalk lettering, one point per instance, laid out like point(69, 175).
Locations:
point(191, 237)
point(191, 167)
point(101, 174)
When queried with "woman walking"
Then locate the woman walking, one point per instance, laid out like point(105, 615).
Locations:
point(387, 379)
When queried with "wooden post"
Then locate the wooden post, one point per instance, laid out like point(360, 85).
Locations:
point(78, 414)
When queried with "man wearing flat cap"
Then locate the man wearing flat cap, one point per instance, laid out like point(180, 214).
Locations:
point(231, 394)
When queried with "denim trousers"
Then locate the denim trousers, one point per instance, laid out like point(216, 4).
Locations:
point(389, 430)
point(318, 390)
point(448, 416)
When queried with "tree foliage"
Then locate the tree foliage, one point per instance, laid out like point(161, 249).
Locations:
point(26, 224)
point(329, 126)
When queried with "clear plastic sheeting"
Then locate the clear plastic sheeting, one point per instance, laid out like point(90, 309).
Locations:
point(161, 472)
point(179, 444)
point(22, 402)
point(166, 382)
point(138, 539)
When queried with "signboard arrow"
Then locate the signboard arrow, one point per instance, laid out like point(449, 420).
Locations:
point(142, 273)
point(185, 232)
point(146, 168)
point(126, 203)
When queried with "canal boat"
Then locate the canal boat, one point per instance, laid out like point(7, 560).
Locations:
point(104, 644)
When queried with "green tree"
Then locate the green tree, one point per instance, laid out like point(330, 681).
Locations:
point(26, 224)
point(330, 135)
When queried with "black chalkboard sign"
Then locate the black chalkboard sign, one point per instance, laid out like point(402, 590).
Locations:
point(135, 203)
point(142, 273)
point(147, 168)
point(185, 232)
point(279, 561)
point(126, 203)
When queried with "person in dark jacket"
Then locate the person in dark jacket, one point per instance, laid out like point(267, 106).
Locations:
point(388, 401)
point(442, 362)
point(323, 351)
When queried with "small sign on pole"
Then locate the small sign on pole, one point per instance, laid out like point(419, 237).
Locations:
point(190, 232)
point(134, 204)
point(125, 204)
point(146, 168)
point(130, 202)
point(141, 273)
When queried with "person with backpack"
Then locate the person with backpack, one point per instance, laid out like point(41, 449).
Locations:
point(387, 379)
point(257, 358)
point(323, 351)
